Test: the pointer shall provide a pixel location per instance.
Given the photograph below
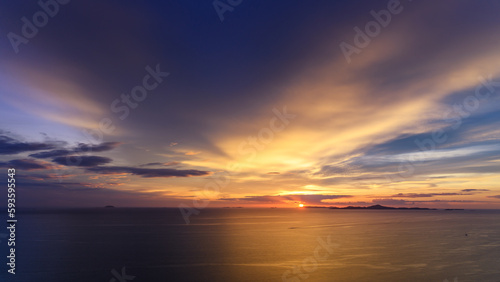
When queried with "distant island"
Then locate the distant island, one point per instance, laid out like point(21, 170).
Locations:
point(379, 207)
point(109, 206)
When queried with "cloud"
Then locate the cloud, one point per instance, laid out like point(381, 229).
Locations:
point(106, 146)
point(161, 164)
point(149, 172)
point(44, 177)
point(85, 161)
point(475, 190)
point(315, 199)
point(423, 195)
point(51, 154)
point(80, 148)
point(152, 164)
point(10, 146)
point(24, 164)
point(495, 196)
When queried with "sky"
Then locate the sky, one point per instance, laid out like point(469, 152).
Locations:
point(251, 103)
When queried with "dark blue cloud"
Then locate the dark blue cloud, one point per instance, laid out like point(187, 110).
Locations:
point(83, 161)
point(24, 164)
point(106, 146)
point(51, 154)
point(80, 148)
point(148, 172)
point(162, 164)
point(10, 146)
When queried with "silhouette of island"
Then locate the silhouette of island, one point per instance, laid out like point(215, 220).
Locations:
point(379, 207)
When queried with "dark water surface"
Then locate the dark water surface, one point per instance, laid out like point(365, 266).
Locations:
point(255, 245)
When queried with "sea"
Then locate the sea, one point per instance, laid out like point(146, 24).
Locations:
point(251, 244)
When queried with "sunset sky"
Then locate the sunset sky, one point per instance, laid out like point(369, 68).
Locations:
point(265, 104)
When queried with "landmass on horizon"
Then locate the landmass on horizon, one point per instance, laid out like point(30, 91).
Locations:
point(380, 207)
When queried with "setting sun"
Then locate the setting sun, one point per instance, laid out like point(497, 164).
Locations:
point(301, 205)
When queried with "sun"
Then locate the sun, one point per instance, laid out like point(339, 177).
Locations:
point(301, 205)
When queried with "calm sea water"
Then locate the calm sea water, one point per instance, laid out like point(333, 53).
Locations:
point(255, 245)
